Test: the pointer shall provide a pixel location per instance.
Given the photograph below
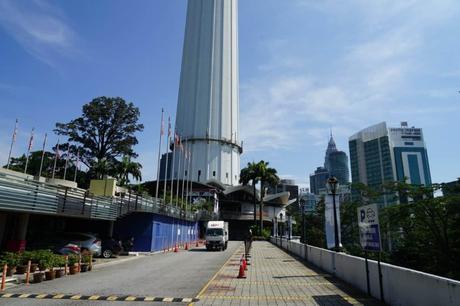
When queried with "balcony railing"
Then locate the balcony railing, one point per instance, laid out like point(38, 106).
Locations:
point(23, 195)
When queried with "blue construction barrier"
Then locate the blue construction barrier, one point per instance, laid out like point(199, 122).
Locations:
point(152, 232)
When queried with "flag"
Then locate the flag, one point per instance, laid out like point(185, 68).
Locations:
point(15, 132)
point(162, 131)
point(169, 126)
point(31, 140)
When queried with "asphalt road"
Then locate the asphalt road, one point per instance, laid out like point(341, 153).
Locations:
point(181, 274)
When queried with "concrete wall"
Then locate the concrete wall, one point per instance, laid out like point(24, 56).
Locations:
point(401, 286)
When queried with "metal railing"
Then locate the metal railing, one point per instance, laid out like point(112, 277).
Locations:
point(23, 195)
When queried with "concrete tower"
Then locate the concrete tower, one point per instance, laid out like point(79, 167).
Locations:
point(208, 107)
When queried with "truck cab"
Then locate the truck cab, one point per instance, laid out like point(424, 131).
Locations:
point(217, 235)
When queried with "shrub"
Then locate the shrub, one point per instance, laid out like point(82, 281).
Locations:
point(11, 259)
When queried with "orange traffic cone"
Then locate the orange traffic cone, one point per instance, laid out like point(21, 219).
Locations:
point(241, 274)
point(186, 246)
point(197, 245)
point(244, 263)
point(176, 249)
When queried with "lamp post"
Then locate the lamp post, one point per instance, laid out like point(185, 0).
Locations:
point(333, 184)
point(302, 211)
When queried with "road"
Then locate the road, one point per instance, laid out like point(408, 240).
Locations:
point(180, 275)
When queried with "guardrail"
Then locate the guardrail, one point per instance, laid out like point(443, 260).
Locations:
point(401, 286)
point(20, 194)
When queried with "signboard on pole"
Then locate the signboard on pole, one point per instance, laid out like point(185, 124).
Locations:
point(329, 220)
point(369, 228)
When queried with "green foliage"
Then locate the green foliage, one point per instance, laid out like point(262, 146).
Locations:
point(86, 259)
point(11, 259)
point(73, 259)
point(259, 172)
point(104, 133)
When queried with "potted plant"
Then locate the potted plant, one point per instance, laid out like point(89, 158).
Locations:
point(59, 261)
point(24, 258)
point(73, 259)
point(85, 261)
point(42, 258)
point(38, 277)
point(12, 260)
point(49, 262)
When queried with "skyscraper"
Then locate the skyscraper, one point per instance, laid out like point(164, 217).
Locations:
point(336, 162)
point(207, 108)
point(379, 154)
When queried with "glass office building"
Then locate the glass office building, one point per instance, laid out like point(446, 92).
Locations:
point(379, 154)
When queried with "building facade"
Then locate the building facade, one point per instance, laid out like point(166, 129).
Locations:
point(208, 109)
point(379, 154)
point(338, 166)
point(318, 180)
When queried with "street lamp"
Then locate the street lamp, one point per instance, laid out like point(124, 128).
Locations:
point(333, 184)
point(302, 211)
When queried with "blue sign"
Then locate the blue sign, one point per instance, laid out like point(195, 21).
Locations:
point(369, 228)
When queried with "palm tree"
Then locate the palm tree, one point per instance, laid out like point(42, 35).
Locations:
point(249, 174)
point(259, 172)
point(268, 177)
point(125, 168)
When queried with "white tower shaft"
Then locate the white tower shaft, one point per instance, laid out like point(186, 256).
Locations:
point(208, 107)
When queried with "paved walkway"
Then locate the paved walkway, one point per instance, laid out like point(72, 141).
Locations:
point(276, 278)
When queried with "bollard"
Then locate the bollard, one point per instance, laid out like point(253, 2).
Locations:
point(79, 264)
point(28, 272)
point(90, 267)
point(5, 267)
point(66, 264)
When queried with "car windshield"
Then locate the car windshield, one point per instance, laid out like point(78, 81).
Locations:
point(214, 232)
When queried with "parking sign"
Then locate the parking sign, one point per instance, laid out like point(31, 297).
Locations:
point(369, 228)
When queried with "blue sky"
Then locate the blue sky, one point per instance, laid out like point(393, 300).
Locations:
point(306, 67)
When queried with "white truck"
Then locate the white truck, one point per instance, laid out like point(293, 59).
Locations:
point(217, 235)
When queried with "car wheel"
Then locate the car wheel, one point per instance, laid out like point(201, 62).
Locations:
point(107, 253)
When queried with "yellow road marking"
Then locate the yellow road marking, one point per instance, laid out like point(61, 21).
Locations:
point(24, 295)
point(58, 296)
point(93, 297)
point(41, 296)
point(7, 295)
point(75, 297)
point(186, 300)
point(168, 299)
point(112, 298)
point(215, 275)
point(130, 298)
point(149, 298)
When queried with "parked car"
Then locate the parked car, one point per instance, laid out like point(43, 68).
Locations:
point(62, 242)
point(69, 249)
point(110, 247)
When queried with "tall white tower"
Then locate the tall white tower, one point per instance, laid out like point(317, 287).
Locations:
point(208, 107)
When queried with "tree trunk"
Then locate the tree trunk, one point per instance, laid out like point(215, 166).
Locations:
point(261, 227)
point(255, 205)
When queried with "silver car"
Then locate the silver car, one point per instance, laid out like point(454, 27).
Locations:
point(87, 242)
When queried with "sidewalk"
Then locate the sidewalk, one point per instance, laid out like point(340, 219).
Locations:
point(276, 278)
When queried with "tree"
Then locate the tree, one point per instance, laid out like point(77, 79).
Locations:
point(125, 168)
point(259, 172)
point(249, 174)
point(267, 178)
point(104, 132)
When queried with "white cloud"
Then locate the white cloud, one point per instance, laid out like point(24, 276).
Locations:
point(40, 28)
point(291, 100)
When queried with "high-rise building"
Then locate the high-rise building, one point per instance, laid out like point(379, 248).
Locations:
point(207, 108)
point(380, 154)
point(331, 147)
point(338, 166)
point(318, 180)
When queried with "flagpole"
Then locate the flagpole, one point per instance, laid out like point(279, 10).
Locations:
point(178, 171)
point(183, 176)
point(43, 156)
point(189, 178)
point(56, 154)
point(66, 161)
point(76, 166)
point(167, 159)
point(159, 155)
point(13, 140)
point(28, 149)
point(173, 165)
